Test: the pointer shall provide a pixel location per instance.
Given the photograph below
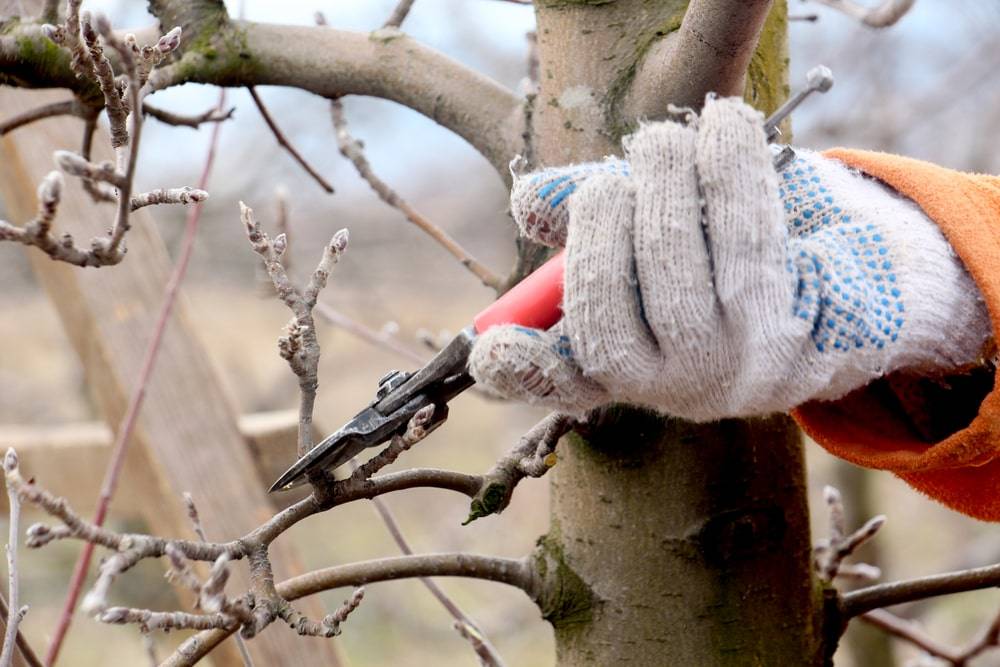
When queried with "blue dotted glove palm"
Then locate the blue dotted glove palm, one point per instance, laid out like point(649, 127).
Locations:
point(701, 283)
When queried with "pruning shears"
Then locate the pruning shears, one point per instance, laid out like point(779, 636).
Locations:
point(535, 302)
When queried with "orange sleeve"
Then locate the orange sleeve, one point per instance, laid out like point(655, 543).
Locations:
point(949, 447)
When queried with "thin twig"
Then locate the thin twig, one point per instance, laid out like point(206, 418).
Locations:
point(398, 14)
point(182, 195)
point(127, 425)
point(882, 15)
point(990, 638)
point(28, 653)
point(345, 491)
point(367, 334)
point(150, 645)
point(909, 631)
point(285, 143)
point(467, 627)
point(351, 148)
point(97, 190)
point(74, 108)
point(283, 222)
point(515, 572)
point(13, 595)
point(199, 530)
point(64, 108)
point(214, 115)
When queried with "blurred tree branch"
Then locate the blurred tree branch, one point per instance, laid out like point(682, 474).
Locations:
point(352, 149)
point(709, 52)
point(882, 15)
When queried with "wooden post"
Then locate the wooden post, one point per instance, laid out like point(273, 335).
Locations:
point(73, 458)
point(187, 437)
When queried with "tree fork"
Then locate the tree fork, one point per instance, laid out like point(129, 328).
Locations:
point(676, 543)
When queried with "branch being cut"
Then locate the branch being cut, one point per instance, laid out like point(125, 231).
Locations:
point(351, 148)
point(710, 52)
point(265, 602)
point(252, 614)
point(882, 15)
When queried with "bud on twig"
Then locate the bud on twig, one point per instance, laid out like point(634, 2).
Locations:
point(10, 460)
point(170, 41)
point(50, 189)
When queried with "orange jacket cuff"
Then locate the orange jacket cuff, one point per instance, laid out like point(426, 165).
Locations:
point(872, 428)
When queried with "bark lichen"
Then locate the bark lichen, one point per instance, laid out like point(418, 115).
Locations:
point(563, 597)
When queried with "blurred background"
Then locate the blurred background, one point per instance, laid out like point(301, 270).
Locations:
point(927, 87)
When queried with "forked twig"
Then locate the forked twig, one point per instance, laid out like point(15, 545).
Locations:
point(829, 553)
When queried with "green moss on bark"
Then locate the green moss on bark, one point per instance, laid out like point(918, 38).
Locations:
point(221, 56)
point(49, 59)
point(39, 59)
point(564, 598)
point(559, 4)
point(767, 85)
point(622, 84)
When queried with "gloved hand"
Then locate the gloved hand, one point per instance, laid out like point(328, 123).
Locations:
point(701, 283)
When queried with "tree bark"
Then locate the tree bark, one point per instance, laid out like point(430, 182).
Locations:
point(673, 543)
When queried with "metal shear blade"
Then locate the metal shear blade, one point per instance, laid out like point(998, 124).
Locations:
point(399, 397)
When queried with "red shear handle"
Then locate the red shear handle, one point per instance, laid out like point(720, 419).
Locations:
point(534, 302)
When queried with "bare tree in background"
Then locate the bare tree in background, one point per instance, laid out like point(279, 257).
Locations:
point(670, 541)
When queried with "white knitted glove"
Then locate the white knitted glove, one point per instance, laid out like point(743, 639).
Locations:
point(705, 285)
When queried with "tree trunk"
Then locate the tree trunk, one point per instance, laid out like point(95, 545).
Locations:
point(677, 544)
